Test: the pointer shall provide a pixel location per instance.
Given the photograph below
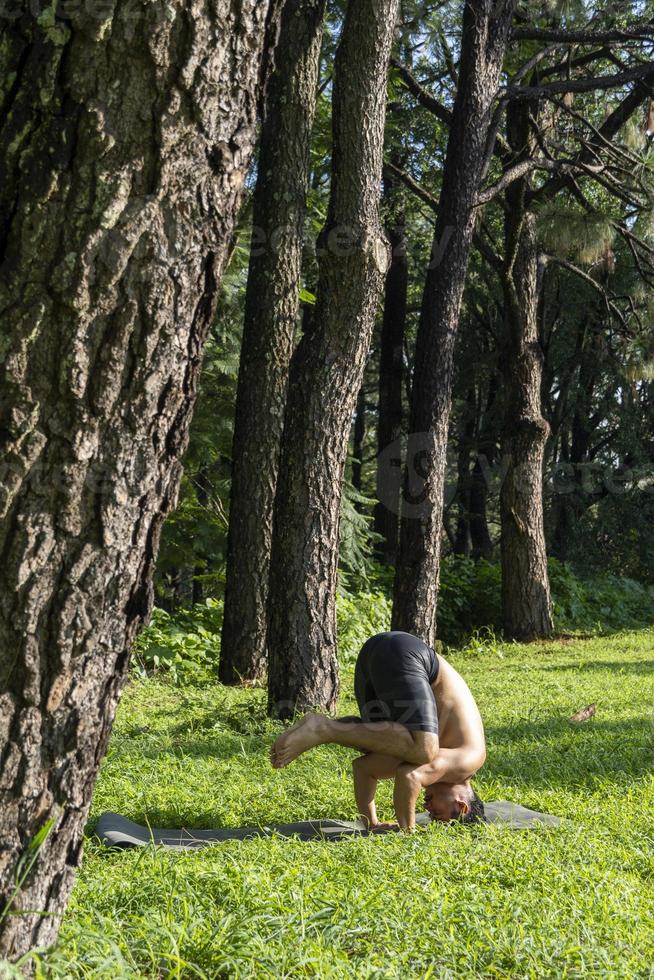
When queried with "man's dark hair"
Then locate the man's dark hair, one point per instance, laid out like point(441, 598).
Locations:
point(475, 814)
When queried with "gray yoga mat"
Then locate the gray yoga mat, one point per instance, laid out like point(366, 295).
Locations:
point(118, 831)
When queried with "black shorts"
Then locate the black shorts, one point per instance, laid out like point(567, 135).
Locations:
point(392, 681)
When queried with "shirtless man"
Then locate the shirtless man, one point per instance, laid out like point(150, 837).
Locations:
point(419, 725)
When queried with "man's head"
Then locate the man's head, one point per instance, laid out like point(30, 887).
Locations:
point(453, 801)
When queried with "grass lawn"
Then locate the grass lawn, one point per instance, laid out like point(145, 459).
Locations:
point(446, 902)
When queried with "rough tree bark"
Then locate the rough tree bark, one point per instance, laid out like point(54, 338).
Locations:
point(486, 27)
point(391, 379)
point(326, 372)
point(124, 143)
point(526, 599)
point(271, 312)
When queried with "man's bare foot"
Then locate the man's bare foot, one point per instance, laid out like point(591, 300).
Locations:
point(274, 747)
point(304, 735)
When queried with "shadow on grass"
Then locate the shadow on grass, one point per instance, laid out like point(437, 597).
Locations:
point(619, 666)
point(220, 746)
point(560, 753)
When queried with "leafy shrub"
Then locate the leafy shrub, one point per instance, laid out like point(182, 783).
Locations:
point(358, 618)
point(185, 646)
point(600, 603)
point(469, 598)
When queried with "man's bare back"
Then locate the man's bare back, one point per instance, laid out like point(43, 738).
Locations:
point(459, 719)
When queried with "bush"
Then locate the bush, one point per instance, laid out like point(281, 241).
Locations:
point(185, 646)
point(469, 598)
point(358, 618)
point(598, 604)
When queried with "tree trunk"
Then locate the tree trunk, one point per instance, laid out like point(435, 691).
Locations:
point(358, 437)
point(326, 374)
point(526, 601)
point(124, 145)
point(271, 313)
point(482, 544)
point(485, 32)
point(202, 485)
point(573, 498)
point(487, 439)
point(391, 380)
point(462, 544)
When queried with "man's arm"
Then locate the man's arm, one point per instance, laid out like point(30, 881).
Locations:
point(449, 766)
point(367, 771)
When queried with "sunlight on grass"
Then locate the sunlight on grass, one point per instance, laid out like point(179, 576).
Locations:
point(448, 902)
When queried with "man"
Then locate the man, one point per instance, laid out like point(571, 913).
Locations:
point(419, 725)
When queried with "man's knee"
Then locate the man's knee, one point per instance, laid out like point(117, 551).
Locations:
point(426, 746)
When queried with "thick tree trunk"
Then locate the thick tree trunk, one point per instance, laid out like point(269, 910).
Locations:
point(271, 312)
point(391, 380)
point(526, 601)
point(326, 373)
point(485, 32)
point(124, 144)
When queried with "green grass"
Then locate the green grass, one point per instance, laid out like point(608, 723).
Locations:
point(449, 901)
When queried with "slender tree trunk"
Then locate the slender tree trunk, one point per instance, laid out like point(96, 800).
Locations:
point(326, 373)
point(482, 544)
point(202, 485)
point(463, 539)
point(573, 499)
point(271, 313)
point(487, 440)
point(391, 380)
point(124, 145)
point(484, 38)
point(359, 435)
point(526, 600)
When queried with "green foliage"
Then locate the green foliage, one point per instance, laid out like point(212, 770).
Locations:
point(445, 902)
point(470, 600)
point(360, 617)
point(184, 646)
point(468, 597)
point(575, 233)
point(600, 603)
point(357, 540)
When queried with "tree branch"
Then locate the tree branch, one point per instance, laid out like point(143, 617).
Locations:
point(593, 84)
point(609, 128)
point(610, 303)
point(413, 185)
point(644, 32)
point(424, 97)
point(524, 167)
